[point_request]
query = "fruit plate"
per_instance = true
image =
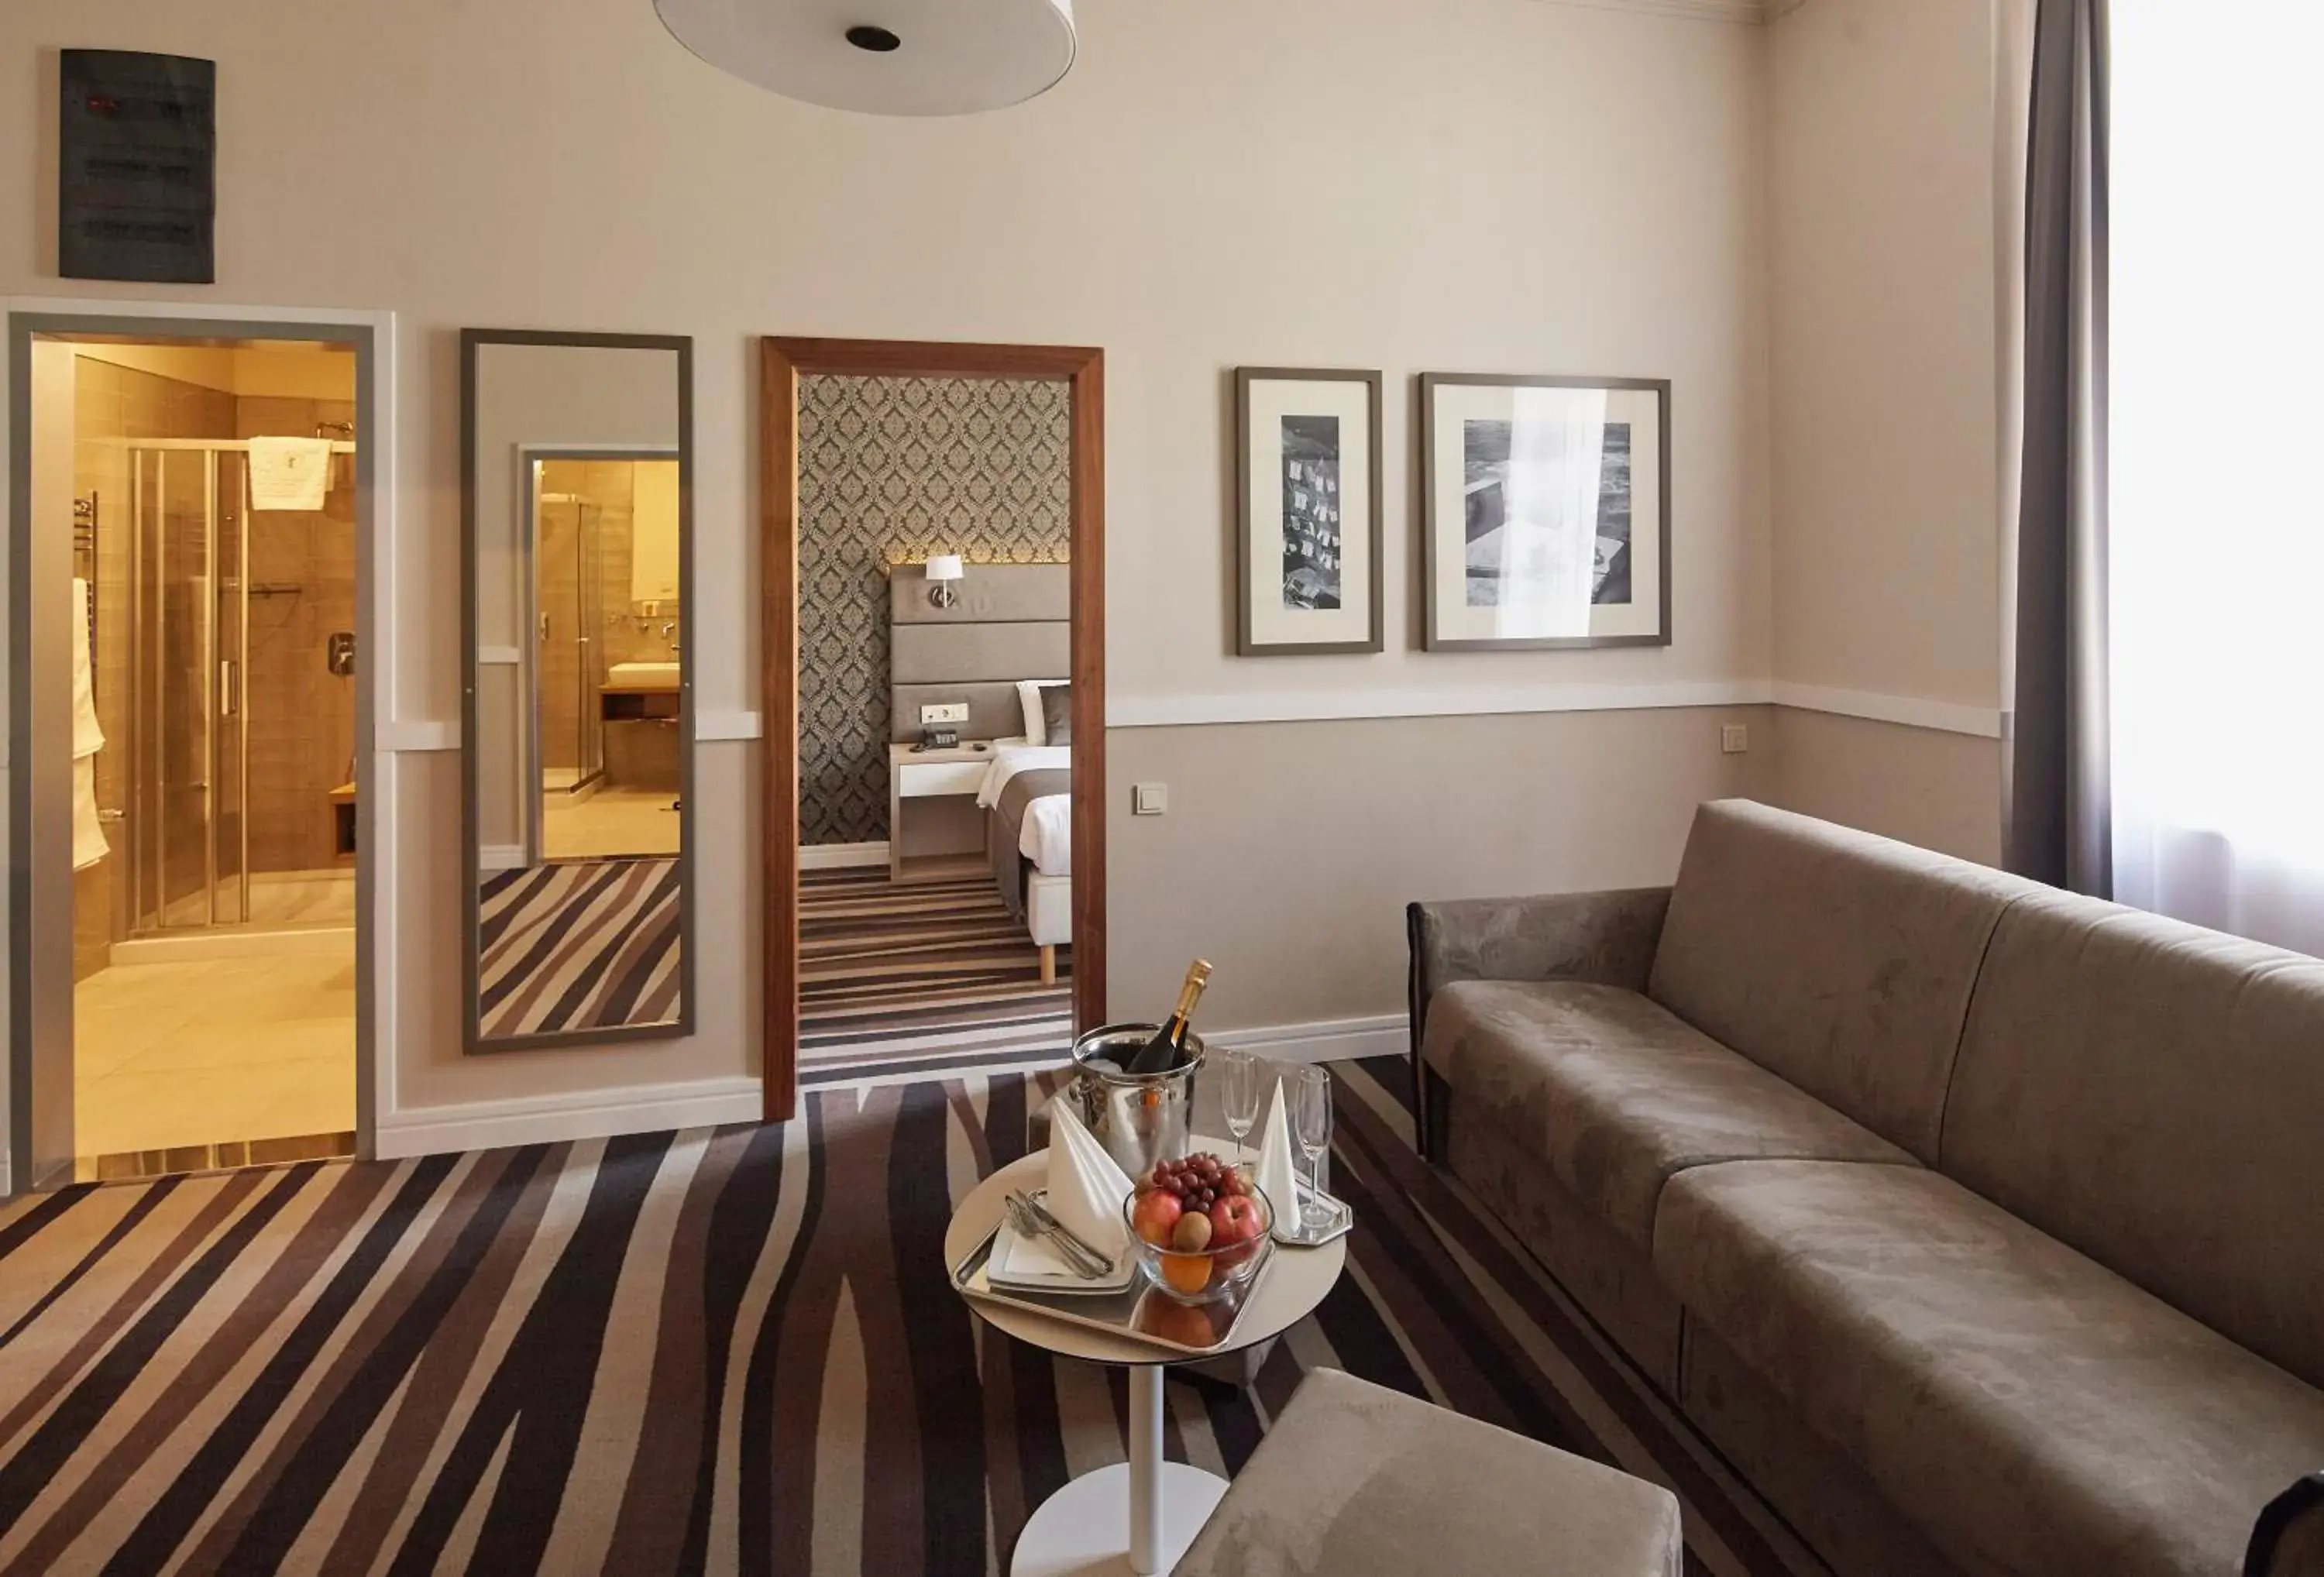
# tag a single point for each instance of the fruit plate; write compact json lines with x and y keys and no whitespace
{"x":1140,"y":1311}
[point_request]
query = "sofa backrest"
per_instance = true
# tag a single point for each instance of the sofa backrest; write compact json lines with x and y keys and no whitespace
{"x":2151,"y":1095}
{"x":1839,"y":961}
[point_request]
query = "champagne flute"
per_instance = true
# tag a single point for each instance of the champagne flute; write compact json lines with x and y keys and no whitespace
{"x":1311,"y":1119}
{"x":1241,"y":1095}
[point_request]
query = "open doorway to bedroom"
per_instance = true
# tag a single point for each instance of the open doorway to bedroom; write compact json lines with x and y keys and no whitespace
{"x":934,"y":619}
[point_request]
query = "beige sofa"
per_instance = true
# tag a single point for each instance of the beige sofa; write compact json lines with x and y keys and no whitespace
{"x":1981,"y":1226}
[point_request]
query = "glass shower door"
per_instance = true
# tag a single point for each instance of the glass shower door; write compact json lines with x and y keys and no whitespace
{"x":187,"y":610}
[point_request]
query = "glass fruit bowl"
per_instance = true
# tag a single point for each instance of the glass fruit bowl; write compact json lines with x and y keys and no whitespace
{"x":1202,"y":1265}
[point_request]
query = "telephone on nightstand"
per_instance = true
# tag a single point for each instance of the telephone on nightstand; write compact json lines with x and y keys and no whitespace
{"x":938,"y":738}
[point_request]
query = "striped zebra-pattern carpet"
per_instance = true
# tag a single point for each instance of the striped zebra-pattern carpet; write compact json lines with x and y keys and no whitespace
{"x":723,"y":1351}
{"x":921,"y":978}
{"x":579,"y":944}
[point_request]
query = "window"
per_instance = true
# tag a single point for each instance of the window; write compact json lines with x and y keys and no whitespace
{"x":2217,"y":496}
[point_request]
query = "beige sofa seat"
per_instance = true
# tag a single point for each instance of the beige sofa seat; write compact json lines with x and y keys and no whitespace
{"x":2031,"y":1412}
{"x":1358,"y":1480}
{"x":2152,"y":1094}
{"x":1617,"y":1095}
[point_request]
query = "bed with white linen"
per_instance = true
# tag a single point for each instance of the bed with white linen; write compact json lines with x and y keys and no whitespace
{"x":1028,"y":798}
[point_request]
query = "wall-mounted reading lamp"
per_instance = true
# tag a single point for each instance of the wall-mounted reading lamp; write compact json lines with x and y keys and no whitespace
{"x":944,"y":571}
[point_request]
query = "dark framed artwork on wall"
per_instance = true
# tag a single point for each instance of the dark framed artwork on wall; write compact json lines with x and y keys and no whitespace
{"x":1545,"y":512}
{"x":1307,"y":510}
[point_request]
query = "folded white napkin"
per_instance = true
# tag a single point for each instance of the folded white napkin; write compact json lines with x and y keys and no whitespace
{"x":1085,"y":1193}
{"x":1086,"y":1188}
{"x":1278,"y":1179}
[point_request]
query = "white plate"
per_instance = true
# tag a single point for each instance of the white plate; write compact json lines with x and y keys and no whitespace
{"x":1005,"y":1238}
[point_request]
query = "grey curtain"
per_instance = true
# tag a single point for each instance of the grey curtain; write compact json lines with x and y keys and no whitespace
{"x":2059,"y":824}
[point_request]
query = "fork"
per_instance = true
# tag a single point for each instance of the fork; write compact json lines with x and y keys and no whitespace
{"x":1029,"y":1221}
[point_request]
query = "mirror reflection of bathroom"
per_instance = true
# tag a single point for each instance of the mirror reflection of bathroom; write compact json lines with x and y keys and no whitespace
{"x":214,"y":593}
{"x":607,"y":628}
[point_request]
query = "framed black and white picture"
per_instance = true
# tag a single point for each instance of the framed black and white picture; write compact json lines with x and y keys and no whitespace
{"x":1307,"y":483}
{"x":1545,"y":512}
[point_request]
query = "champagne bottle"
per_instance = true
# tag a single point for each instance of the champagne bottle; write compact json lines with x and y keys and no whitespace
{"x":1168,"y":1049}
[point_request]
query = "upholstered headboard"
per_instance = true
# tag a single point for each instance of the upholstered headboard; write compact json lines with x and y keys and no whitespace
{"x":1012,"y":621}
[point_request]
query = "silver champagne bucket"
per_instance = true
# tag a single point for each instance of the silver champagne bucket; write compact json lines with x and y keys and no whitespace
{"x":1140,"y":1119}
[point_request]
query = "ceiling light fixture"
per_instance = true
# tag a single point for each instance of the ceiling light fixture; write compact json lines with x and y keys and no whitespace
{"x":964,"y":58}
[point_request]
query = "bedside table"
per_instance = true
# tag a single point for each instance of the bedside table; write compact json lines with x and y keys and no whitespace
{"x":935,"y":830}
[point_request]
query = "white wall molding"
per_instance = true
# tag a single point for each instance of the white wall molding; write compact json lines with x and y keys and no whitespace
{"x":1361,"y":706}
{"x":1945,"y":716}
{"x":711,"y":723}
{"x":1326,"y":1040}
{"x":426,"y":1131}
{"x":842,"y":856}
{"x":415,"y":735}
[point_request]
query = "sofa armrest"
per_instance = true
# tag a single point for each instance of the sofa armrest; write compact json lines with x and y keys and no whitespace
{"x":1608,"y":939}
{"x":2289,"y":1540}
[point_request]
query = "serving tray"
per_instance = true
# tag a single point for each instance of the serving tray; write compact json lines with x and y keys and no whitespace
{"x":1141,"y":1311}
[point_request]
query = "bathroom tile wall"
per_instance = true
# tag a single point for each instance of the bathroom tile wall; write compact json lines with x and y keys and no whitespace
{"x":300,"y":716}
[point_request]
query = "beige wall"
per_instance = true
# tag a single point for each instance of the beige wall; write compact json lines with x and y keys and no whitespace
{"x":1927,"y":785}
{"x":1884,"y":372}
{"x":1288,"y":853}
{"x":1487,"y":185}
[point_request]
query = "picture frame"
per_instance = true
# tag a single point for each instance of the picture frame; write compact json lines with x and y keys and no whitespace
{"x":1309,"y":567}
{"x":1545,"y":519}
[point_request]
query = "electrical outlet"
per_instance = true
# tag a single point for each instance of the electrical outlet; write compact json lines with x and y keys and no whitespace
{"x":1734,"y":738}
{"x":946,"y":712}
{"x":1149,"y":799}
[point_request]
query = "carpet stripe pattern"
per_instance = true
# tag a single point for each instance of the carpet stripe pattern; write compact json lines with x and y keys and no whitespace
{"x":920,"y":977}
{"x":727,"y":1351}
{"x":579,"y":944}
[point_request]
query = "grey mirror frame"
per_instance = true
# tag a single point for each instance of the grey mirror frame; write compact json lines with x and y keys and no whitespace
{"x":474,"y":1042}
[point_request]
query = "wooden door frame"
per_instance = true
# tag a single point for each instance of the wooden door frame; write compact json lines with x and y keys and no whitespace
{"x":782,"y":362}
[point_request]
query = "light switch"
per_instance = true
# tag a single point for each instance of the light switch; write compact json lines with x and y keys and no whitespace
{"x":1149,"y":799}
{"x":944,"y":712}
{"x":1734,"y":738}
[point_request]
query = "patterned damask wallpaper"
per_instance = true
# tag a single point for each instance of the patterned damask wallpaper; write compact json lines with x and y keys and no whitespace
{"x":890,"y":470}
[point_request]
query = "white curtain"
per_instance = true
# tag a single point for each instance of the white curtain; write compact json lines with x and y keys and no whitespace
{"x":2218,"y":465}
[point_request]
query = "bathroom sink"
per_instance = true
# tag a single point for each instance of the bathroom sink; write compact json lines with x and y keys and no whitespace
{"x":642,"y":675}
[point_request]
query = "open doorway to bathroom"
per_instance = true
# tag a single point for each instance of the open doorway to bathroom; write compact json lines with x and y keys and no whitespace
{"x":209,"y":661}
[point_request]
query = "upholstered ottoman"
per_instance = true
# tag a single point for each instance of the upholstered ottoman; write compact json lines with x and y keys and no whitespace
{"x":1356,"y":1480}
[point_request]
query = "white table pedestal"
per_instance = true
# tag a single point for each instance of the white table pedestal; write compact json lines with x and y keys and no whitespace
{"x":1135,"y":1518}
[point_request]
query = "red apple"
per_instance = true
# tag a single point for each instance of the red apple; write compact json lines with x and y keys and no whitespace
{"x":1156,"y":1214}
{"x":1234,"y":1218}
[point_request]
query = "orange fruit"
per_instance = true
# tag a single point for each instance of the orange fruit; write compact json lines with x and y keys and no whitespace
{"x":1187,"y":1273}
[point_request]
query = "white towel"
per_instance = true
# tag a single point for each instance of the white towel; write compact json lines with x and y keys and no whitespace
{"x":89,"y":833}
{"x":87,"y":737}
{"x":290,"y":472}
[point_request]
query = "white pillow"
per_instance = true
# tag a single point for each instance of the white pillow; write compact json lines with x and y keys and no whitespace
{"x":1028,"y":698}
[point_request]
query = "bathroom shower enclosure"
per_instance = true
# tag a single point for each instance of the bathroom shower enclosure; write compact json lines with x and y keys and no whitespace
{"x":183,"y":829}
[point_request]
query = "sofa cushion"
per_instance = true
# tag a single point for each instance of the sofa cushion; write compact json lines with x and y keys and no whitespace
{"x":2029,"y":1410}
{"x":1356,"y":1480}
{"x":2152,"y":1093}
{"x":1616,"y":1094}
{"x":1841,"y":961}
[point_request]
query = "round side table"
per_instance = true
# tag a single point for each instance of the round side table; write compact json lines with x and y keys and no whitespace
{"x":1139,"y":1517}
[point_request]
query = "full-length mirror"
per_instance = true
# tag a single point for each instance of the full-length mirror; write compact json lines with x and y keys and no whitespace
{"x":578,"y":526}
